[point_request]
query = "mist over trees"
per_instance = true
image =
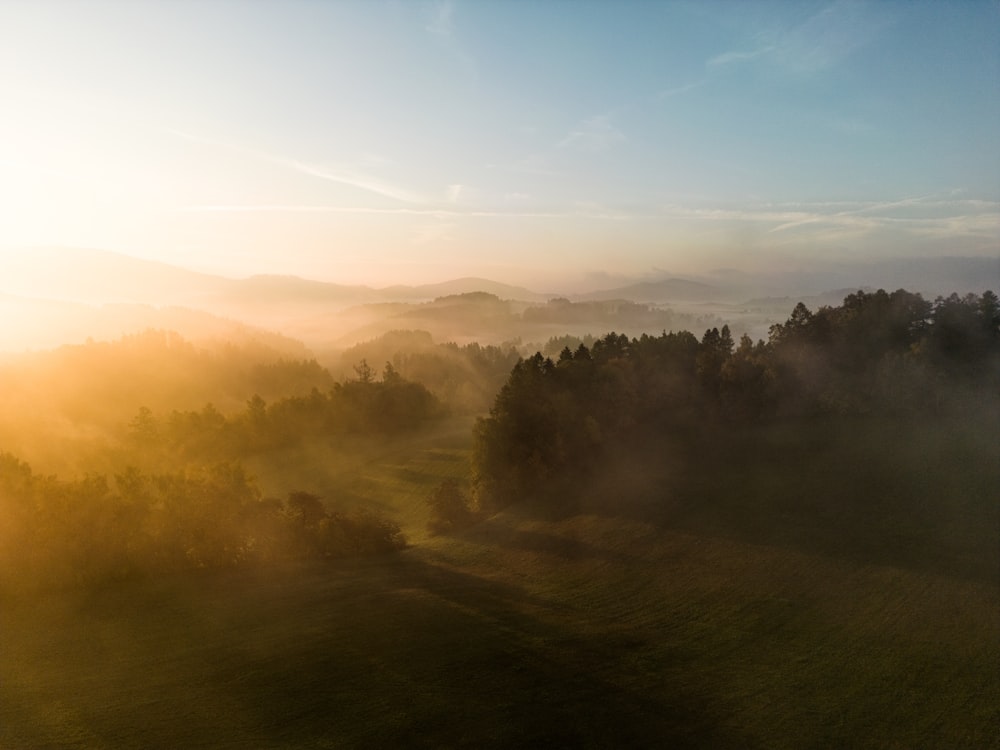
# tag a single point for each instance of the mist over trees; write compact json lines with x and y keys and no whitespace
{"x":166,"y":490}
{"x":364,"y":405}
{"x":59,"y":532}
{"x":463,"y":377}
{"x":893,"y":355}
{"x":488,"y":320}
{"x":161,"y":487}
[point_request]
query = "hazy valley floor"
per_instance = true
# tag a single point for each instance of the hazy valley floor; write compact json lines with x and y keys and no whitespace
{"x":595,"y":629}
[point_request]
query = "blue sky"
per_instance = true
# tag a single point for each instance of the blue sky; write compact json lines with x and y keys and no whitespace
{"x":525,"y":141}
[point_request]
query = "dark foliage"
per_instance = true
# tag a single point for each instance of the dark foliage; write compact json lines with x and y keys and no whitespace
{"x":185,"y":501}
{"x":877,"y":354}
{"x":387,"y":406}
{"x":449,"y":508}
{"x":90,"y":530}
{"x":619,"y":313}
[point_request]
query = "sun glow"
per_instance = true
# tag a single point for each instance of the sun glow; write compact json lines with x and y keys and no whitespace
{"x":278,"y":142}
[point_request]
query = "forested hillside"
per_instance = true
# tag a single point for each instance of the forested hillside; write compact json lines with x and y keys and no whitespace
{"x":165,"y":488}
{"x":868,"y":427}
{"x":153,"y":482}
{"x":465,"y":378}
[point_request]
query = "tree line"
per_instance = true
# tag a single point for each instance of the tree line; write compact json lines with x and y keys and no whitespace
{"x":889,"y":354}
{"x":59,"y":532}
{"x":184,"y":500}
{"x":465,"y":378}
{"x":366,"y":404}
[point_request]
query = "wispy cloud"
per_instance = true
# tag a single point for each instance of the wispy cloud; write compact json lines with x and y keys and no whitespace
{"x":727,"y":58}
{"x":918,"y":216}
{"x":822,"y":41}
{"x":985,"y":225}
{"x":307,"y":208}
{"x":440,"y":21}
{"x":927,"y":216}
{"x":355,"y":180}
{"x":678,"y":90}
{"x":845,"y":216}
{"x":340,"y":175}
{"x":769,"y":216}
{"x":596,"y":133}
{"x":829,"y":36}
{"x":440,"y":24}
{"x":581,"y":212}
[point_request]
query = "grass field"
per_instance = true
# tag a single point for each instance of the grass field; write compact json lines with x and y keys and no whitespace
{"x":393,"y":475}
{"x":699,"y":609}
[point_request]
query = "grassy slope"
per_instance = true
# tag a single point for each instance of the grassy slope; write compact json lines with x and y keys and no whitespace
{"x":633,"y":623}
{"x":393,"y":475}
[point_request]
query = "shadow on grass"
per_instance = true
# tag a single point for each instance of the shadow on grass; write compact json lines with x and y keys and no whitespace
{"x":393,"y":652}
{"x":920,"y":496}
{"x":432,"y":657}
{"x":494,"y":531}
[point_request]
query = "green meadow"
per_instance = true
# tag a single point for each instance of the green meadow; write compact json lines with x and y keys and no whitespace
{"x":775,"y":588}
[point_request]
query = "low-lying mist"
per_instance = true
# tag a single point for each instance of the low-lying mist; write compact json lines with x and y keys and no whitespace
{"x":243,"y":516}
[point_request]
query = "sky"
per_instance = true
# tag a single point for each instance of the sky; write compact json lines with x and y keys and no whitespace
{"x":530,"y":142}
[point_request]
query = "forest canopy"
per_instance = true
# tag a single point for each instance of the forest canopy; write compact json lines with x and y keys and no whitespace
{"x":888,"y":354}
{"x":167,"y":490}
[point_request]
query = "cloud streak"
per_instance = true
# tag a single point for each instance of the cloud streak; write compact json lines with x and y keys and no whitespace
{"x":346,"y":177}
{"x":869,"y":208}
{"x":727,"y":58}
{"x":934,"y":217}
{"x":440,"y":213}
{"x":594,"y":134}
{"x":355,"y":180}
{"x":678,"y":90}
{"x":823,"y":220}
{"x":819,"y":43}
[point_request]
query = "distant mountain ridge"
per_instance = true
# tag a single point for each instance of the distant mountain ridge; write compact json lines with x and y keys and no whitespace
{"x":667,"y":290}
{"x":101,"y":276}
{"x":39,"y":297}
{"x":474,"y":284}
{"x":45,"y":324}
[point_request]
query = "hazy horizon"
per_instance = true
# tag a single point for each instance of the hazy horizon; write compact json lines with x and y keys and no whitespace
{"x":382,"y":144}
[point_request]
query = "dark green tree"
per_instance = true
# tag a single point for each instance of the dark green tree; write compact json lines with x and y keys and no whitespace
{"x":449,"y":508}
